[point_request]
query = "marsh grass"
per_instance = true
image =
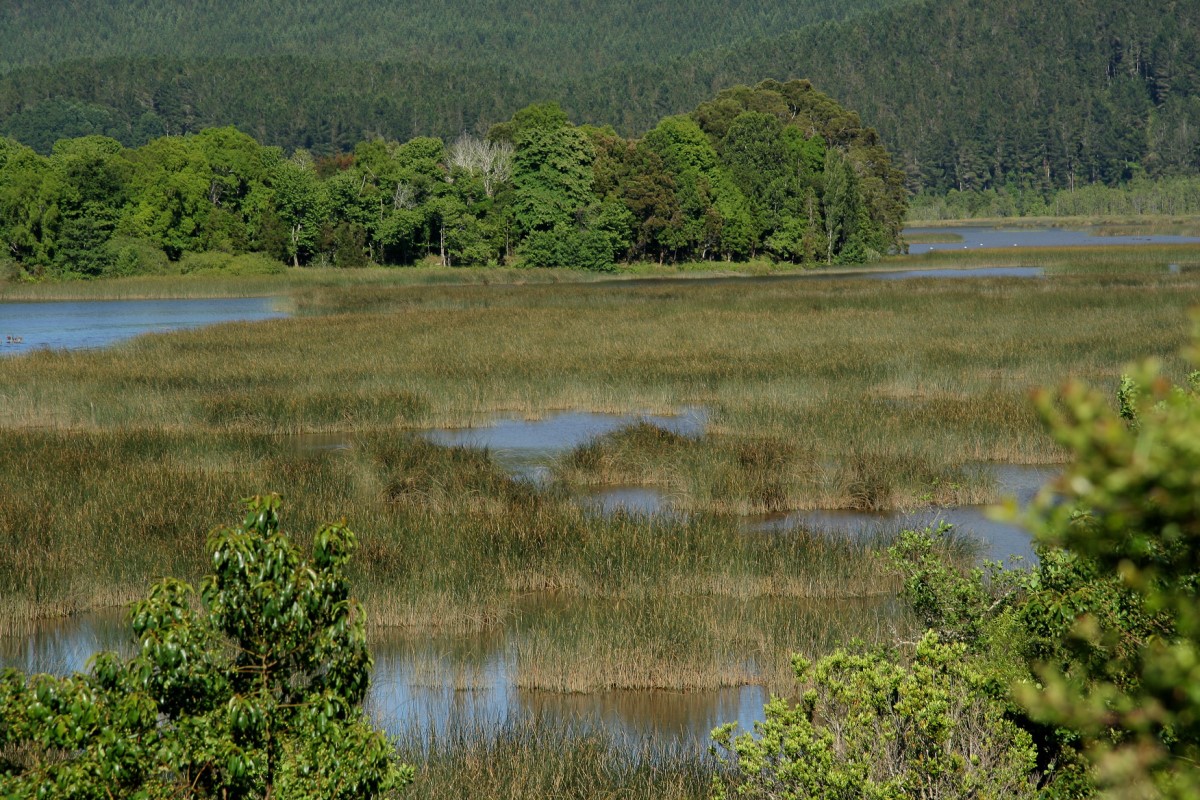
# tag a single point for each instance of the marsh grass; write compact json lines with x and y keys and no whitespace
{"x":537,"y":758}
{"x":680,"y":644}
{"x":447,"y":539}
{"x":752,"y":475}
{"x":933,"y":238}
{"x":1160,"y":223}
{"x":157,"y":287}
{"x":821,"y":394}
{"x":847,"y":393}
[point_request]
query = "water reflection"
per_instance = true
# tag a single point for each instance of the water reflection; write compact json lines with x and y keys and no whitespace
{"x":526,"y":448}
{"x":99,"y":323}
{"x":425,"y":684}
{"x":64,"y":646}
{"x":634,"y":501}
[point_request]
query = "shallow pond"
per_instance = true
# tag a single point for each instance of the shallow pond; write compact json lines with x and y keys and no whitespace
{"x":98,"y":323}
{"x":526,"y":447}
{"x":999,"y":541}
{"x":986,"y":236}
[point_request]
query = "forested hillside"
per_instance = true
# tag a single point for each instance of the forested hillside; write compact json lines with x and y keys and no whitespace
{"x":550,"y":37}
{"x":968,"y":93}
{"x":975,"y":93}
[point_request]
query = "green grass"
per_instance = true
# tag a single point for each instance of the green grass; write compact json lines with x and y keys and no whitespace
{"x":153,"y":287}
{"x":1162,"y":223}
{"x":1132,"y":262}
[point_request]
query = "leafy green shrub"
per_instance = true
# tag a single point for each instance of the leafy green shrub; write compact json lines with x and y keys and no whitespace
{"x":9,"y":269}
{"x":135,"y":257}
{"x":571,"y":248}
{"x":256,"y":694}
{"x":229,"y":264}
{"x":869,"y":727}
{"x":1128,"y":511}
{"x":956,"y":604}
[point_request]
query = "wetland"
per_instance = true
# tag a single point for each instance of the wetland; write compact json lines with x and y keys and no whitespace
{"x":594,"y":516}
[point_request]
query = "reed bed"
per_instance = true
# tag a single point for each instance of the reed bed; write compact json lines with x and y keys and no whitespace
{"x":158,"y":287}
{"x":1140,"y":261}
{"x":447,"y":540}
{"x":1166,"y":224}
{"x":681,"y":644}
{"x":536,"y":758}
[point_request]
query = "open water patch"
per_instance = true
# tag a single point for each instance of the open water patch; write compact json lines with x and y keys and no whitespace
{"x":1001,"y":541}
{"x":79,"y":325}
{"x":526,"y":448}
{"x":633,"y":501}
{"x":432,"y":685}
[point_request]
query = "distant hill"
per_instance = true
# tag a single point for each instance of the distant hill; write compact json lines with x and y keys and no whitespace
{"x":973,"y":93}
{"x":547,"y":37}
{"x":967,"y":93}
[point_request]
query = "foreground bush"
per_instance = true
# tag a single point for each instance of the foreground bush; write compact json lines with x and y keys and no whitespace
{"x":1128,"y":510}
{"x":869,"y":727}
{"x":256,"y":694}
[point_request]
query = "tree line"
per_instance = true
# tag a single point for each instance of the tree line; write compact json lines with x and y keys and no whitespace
{"x":969,"y":94}
{"x":777,"y":171}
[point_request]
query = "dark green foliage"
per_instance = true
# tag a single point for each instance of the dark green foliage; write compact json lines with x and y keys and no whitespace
{"x":1098,"y":642}
{"x":957,"y":605}
{"x":258,"y":694}
{"x":1127,"y":514}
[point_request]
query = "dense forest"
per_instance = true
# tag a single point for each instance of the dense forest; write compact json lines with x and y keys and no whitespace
{"x":777,"y":171}
{"x":970,"y":94}
{"x":562,"y":36}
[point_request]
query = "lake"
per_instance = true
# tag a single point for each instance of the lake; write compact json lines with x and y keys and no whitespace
{"x":98,"y":323}
{"x":986,"y":236}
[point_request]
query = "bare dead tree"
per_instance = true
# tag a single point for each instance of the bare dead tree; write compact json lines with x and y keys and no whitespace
{"x":492,"y":161}
{"x":403,"y":197}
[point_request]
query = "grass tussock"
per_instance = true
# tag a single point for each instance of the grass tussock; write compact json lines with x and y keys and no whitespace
{"x":730,"y":474}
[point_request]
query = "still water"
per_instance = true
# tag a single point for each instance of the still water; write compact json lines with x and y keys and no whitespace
{"x":999,"y":541}
{"x":429,"y":685}
{"x":99,"y":323}
{"x":980,"y":237}
{"x":526,"y":448}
